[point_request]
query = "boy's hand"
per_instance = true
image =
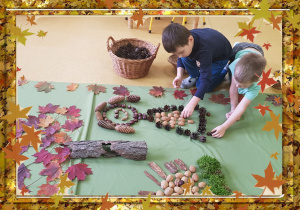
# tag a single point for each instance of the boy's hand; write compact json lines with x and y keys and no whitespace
{"x":177,"y":81}
{"x":187,"y":111}
{"x":218,"y":132}
{"x":229,"y":114}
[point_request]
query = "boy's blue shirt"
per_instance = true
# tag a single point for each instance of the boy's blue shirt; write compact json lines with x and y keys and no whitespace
{"x":252,"y":91}
{"x":209,"y":46}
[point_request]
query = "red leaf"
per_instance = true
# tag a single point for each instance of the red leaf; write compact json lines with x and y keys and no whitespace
{"x":157,"y":91}
{"x":62,"y":154}
{"x":262,"y":109}
{"x":49,"y":108}
{"x":179,"y":94}
{"x":71,"y":125}
{"x":53,"y":171}
{"x":43,"y":156}
{"x":121,"y":91}
{"x":220,"y":99}
{"x":72,"y":112}
{"x":249,"y":33}
{"x":48,"y":189}
{"x":267,"y":45}
{"x":79,"y":170}
{"x":193,"y":91}
{"x":266,"y":80}
{"x":23,"y":173}
{"x":24,"y":190}
{"x":96,"y":88}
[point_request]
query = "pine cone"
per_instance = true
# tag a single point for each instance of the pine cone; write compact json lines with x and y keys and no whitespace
{"x":151,"y":118}
{"x":116,"y":99}
{"x":202,"y":139}
{"x":160,"y":109}
{"x":100,"y":106}
{"x":154,"y":110}
{"x":133,"y":98}
{"x":158,"y":124}
{"x":202,"y":110}
{"x":168,"y":127}
{"x":167,"y":108}
{"x":181,"y":107}
{"x":197,"y":107}
{"x":150,"y":112}
{"x":105,"y":124}
{"x":124,"y":129}
{"x":179,"y":130}
{"x":173,"y":108}
{"x":187,"y":132}
{"x":194,"y":135}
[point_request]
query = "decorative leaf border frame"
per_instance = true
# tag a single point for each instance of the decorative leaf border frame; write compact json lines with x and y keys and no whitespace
{"x":62,"y":7}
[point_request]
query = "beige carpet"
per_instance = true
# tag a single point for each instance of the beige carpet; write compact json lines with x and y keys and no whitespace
{"x":75,"y":50}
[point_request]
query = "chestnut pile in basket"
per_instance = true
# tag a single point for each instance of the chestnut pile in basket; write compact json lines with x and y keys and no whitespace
{"x":130,"y":51}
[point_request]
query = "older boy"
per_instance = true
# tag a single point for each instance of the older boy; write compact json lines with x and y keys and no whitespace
{"x":203,"y":53}
{"x":246,"y":69}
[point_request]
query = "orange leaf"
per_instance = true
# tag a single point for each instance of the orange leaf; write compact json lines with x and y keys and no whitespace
{"x":46,"y":122}
{"x":15,"y":153}
{"x":263,"y":109}
{"x":138,"y":17}
{"x":32,"y":137}
{"x":31,"y":20}
{"x":157,"y":91}
{"x":187,"y":186}
{"x":274,"y":124}
{"x":24,"y":190}
{"x":106,"y":204}
{"x":268,"y":181}
{"x":72,"y":87}
{"x":266,"y":80}
{"x":275,"y":21}
{"x":109,"y":3}
{"x":274,"y":155}
{"x":238,"y":194}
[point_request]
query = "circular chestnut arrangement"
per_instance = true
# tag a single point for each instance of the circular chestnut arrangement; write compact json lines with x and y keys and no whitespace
{"x":167,"y":117}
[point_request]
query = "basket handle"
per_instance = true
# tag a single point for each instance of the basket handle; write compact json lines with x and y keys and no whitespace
{"x":156,"y":50}
{"x":107,"y":42}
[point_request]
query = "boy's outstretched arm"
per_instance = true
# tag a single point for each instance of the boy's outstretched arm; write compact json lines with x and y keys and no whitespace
{"x":219,"y":131}
{"x":189,"y":108}
{"x":178,"y":79}
{"x":233,"y":92}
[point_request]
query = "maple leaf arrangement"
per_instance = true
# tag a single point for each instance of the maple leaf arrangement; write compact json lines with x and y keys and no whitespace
{"x":46,"y":130}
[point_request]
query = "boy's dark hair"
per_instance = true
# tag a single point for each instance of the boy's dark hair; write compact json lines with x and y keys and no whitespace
{"x":249,"y":68}
{"x":175,"y":35}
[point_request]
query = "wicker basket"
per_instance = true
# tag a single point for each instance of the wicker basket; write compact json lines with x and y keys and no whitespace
{"x":128,"y":68}
{"x":173,"y":60}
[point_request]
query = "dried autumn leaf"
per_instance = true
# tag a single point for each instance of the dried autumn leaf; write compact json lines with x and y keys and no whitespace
{"x":47,"y":189}
{"x":179,"y":94}
{"x":271,"y":98}
{"x":71,"y":125}
{"x":274,"y":124}
{"x":267,"y":45}
{"x":219,"y":99}
{"x":268,"y":181}
{"x":44,"y":86}
{"x":266,"y":80}
{"x":73,"y":112}
{"x":14,"y":154}
{"x":62,"y":154}
{"x":49,"y":108}
{"x":44,"y":123}
{"x":121,"y":91}
{"x":22,"y":81}
{"x":275,"y":21}
{"x":62,"y":137}
{"x":43,"y":156}
{"x":78,"y":170}
{"x":31,"y":20}
{"x":52,"y":171}
{"x":23,"y":172}
{"x":72,"y":87}
{"x":15,"y":112}
{"x":157,"y":91}
{"x":42,"y":33}
{"x":263,"y":109}
{"x":139,"y":17}
{"x":61,"y":111}
{"x":96,"y":88}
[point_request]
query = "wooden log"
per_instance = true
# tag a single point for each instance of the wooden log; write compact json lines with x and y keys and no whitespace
{"x":134,"y":150}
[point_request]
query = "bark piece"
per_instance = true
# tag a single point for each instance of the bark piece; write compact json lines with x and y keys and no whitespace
{"x":181,"y":164}
{"x":171,"y":167}
{"x":152,"y":178}
{"x":146,"y":193}
{"x":134,"y":150}
{"x":158,"y":170}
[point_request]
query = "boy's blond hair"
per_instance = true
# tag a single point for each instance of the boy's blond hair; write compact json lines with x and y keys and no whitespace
{"x":249,"y":68}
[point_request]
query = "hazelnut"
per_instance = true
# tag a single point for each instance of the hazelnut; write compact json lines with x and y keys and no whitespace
{"x":201,"y":185}
{"x":195,"y":189}
{"x":192,"y":169}
{"x":179,"y":190}
{"x":195,"y":177}
{"x":168,"y":191}
{"x":171,"y":184}
{"x":160,"y":193}
{"x":179,"y":175}
{"x":187,"y":173}
{"x":170,"y":178}
{"x":164,"y":184}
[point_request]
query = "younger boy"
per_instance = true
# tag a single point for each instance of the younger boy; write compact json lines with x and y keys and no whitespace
{"x":203,"y":53}
{"x":247,"y":67}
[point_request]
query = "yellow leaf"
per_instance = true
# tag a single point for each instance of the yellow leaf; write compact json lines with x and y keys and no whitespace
{"x":263,"y":12}
{"x":274,"y":124}
{"x":15,"y":112}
